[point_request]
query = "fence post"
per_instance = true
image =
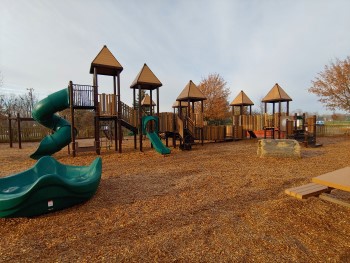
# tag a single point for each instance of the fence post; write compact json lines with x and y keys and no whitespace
{"x":19,"y":131}
{"x":10,"y":131}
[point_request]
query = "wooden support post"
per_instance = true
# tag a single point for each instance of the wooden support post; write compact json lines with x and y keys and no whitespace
{"x":151,"y":113}
{"x":134,"y":106}
{"x":140,"y":118}
{"x":180,"y":110}
{"x":265,"y":109}
{"x":71,"y":107}
{"x":120,"y":132}
{"x":279,"y":120}
{"x":174,"y":128}
{"x":135,"y":141}
{"x":273,"y":120}
{"x":97,"y":117}
{"x":192,"y":111}
{"x":10,"y":131}
{"x":150,"y":106}
{"x":314,"y":127}
{"x":188,"y":109}
{"x":157,"y":109}
{"x":19,"y":131}
{"x":202,"y":132}
{"x":116,"y":110}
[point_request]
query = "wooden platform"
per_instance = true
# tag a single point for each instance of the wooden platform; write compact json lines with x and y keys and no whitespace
{"x":307,"y":190}
{"x":339,"y":179}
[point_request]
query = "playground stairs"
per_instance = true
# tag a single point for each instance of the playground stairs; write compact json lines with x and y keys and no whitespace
{"x":109,"y":134}
{"x":188,"y":139}
{"x":189,"y":133}
{"x":129,"y":126}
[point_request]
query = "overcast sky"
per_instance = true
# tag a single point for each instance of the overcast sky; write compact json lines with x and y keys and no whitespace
{"x":252,"y":44}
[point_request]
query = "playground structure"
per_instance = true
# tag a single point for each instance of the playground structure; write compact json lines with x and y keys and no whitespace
{"x":110,"y":113}
{"x":146,"y":80}
{"x":302,"y":129}
{"x":241,"y":101}
{"x":190,"y":125}
{"x":184,"y":125}
{"x":86,"y":97}
{"x":273,"y":125}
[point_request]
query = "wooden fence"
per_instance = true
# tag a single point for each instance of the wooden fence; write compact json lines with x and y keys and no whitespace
{"x":166,"y":123}
{"x":333,"y":130}
{"x":37,"y":133}
{"x":28,"y":134}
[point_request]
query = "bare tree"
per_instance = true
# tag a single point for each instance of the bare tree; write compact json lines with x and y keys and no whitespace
{"x":333,"y":85}
{"x":12,"y":104}
{"x":216,"y":106}
{"x":1,"y":96}
{"x":260,"y":107}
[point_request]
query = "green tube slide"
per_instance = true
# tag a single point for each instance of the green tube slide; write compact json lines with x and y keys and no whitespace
{"x":44,"y":113}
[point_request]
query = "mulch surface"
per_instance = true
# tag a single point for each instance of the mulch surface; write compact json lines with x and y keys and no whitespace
{"x":217,"y":203}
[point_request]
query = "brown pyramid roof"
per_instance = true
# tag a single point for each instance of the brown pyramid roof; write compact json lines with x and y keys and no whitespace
{"x":146,"y":79}
{"x":191,"y":92}
{"x":276,"y":94}
{"x":106,"y":63}
{"x":241,"y":100}
{"x":176,"y":104}
{"x":147,"y":101}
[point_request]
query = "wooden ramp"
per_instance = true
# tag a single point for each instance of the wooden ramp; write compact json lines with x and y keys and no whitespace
{"x":339,"y":179}
{"x":307,"y":190}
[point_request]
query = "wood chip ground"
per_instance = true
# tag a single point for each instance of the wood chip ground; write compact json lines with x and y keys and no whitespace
{"x":217,"y":203}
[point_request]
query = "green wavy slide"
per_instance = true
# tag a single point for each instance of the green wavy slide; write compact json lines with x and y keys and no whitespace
{"x":44,"y":113}
{"x":48,"y":186}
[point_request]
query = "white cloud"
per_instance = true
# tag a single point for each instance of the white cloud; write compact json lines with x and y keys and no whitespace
{"x":252,"y":44}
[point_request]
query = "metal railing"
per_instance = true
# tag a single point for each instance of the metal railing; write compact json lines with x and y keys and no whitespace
{"x":83,"y":95}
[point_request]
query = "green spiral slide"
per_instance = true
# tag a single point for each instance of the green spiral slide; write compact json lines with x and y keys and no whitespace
{"x":44,"y":113}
